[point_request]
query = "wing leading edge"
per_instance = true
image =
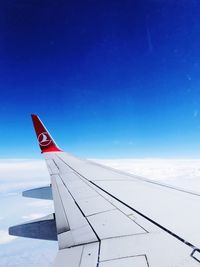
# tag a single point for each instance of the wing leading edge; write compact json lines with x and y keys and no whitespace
{"x":109,"y":218}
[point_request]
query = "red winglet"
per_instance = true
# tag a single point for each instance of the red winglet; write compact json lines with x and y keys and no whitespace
{"x":46,"y":142}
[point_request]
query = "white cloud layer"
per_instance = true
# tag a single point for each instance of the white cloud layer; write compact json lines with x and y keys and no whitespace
{"x":17,"y":174}
{"x":5,"y":237}
{"x":33,"y":216}
{"x":184,"y":173}
{"x":21,"y":174}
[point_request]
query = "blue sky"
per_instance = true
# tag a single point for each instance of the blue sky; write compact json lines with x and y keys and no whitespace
{"x":110,"y":79}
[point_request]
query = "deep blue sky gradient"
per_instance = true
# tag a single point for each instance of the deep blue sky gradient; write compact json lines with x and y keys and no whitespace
{"x":108,"y":78}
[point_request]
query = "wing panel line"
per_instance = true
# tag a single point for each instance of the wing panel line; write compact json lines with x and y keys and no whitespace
{"x":140,"y":178}
{"x":79,"y":208}
{"x":99,"y":240}
{"x":138,"y":212}
{"x":86,"y":181}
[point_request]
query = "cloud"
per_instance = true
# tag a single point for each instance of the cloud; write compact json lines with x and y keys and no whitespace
{"x":40,"y":203}
{"x":156,"y":168}
{"x":184,"y":173}
{"x":24,"y":252}
{"x":33,"y":216}
{"x":5,"y":237}
{"x":18,"y":174}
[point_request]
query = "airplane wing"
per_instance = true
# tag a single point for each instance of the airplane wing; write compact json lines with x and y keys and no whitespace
{"x":108,"y":218}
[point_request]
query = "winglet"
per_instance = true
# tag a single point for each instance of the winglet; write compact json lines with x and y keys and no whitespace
{"x":46,"y":142}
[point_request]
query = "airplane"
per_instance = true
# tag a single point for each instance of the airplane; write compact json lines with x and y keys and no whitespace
{"x":108,"y":218}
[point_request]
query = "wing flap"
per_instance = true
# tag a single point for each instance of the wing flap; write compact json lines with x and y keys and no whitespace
{"x":61,"y":218}
{"x":114,"y":224}
{"x":137,"y":261}
{"x":68,"y":215}
{"x":158,"y":248}
{"x":81,"y":256}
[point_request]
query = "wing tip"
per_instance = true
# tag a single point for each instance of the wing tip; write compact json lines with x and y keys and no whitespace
{"x":46,"y":142}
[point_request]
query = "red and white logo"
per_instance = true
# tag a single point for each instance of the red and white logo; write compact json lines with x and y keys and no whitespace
{"x":44,"y":139}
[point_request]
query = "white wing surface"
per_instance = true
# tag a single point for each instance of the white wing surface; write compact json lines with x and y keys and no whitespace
{"x":108,"y":218}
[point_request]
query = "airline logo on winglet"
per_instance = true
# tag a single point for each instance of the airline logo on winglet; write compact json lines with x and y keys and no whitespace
{"x":46,"y":142}
{"x":44,"y":139}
